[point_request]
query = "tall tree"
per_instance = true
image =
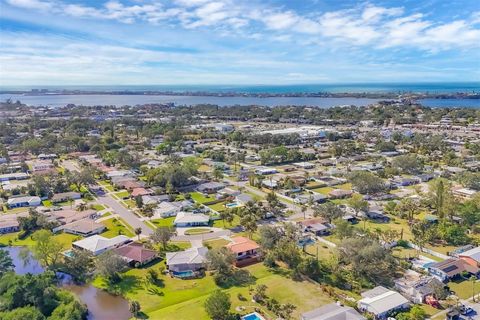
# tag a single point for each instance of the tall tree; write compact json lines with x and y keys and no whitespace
{"x":162,"y":235}
{"x":6,"y":262}
{"x":47,"y":249}
{"x":218,"y":305}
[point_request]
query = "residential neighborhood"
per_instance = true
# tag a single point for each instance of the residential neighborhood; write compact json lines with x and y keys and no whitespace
{"x":292,"y":221}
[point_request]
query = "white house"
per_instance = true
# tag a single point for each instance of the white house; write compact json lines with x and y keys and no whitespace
{"x":188,"y":219}
{"x":97,"y":244}
{"x":166,"y":209}
{"x":27,"y":201}
{"x":380,"y":301}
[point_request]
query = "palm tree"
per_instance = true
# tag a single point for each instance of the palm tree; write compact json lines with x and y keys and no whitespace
{"x":134,"y":307}
{"x":138,"y":232}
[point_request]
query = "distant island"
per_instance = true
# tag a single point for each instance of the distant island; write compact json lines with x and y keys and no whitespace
{"x":403,"y":95}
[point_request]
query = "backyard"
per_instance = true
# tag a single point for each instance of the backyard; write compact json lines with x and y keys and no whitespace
{"x":184,"y":299}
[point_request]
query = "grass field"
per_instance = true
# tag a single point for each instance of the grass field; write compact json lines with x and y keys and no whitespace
{"x":165,"y":222}
{"x":217,"y":243}
{"x":184,"y":299}
{"x":115,"y":227}
{"x":98,"y":207}
{"x":324,"y":190}
{"x":197,"y":231}
{"x":12,"y":239}
{"x":200,"y":198}
{"x":218,"y":206}
{"x":122,"y":194}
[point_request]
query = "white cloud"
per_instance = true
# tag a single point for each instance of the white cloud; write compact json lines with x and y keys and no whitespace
{"x":31,"y":4}
{"x":369,"y":25}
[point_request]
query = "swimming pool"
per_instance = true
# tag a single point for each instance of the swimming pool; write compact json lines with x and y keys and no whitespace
{"x":253,"y":316}
{"x":232,"y":205}
{"x":183,"y":274}
{"x":68,"y":253}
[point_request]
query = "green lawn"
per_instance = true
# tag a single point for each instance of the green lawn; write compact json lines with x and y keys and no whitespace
{"x":200,"y":198}
{"x":184,"y":299}
{"x":129,"y":203}
{"x":47,"y":203}
{"x":217,"y":243}
{"x":122,"y":194}
{"x":218,"y":206}
{"x":324,"y":190}
{"x":65,"y":239}
{"x":219,"y":223}
{"x":193,"y":231}
{"x":165,"y":222}
{"x":463,"y":289}
{"x":115,"y":227}
{"x":98,"y":207}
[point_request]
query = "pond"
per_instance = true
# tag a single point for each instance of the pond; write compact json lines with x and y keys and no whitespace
{"x":101,"y":305}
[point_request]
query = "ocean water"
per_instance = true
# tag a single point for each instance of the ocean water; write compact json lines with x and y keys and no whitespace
{"x":443,"y":87}
{"x":132,"y":100}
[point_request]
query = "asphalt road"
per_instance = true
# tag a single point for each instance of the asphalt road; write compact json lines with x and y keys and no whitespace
{"x":124,"y":213}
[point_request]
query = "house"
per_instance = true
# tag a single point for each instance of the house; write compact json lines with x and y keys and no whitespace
{"x":266,"y":171}
{"x":43,"y":156}
{"x":136,"y":192}
{"x":377,"y":215}
{"x":23,"y":201}
{"x":166,"y":209}
{"x":210,"y":187}
{"x":451,"y":268}
{"x":67,"y":216}
{"x":465,"y":193}
{"x":339,"y":194}
{"x":136,"y":254}
{"x":42,"y":166}
{"x":317,"y":226}
{"x":188,"y":219}
{"x":97,"y":244}
{"x":186,"y":262}
{"x":425,"y":177}
{"x":416,"y":287}
{"x":65,"y":196}
{"x":243,"y":198}
{"x":85,"y":227}
{"x":118,"y":173}
{"x":149,"y":199}
{"x":306,"y":198}
{"x":246,"y":251}
{"x":13,"y":176}
{"x":350,"y":218}
{"x":304,"y":165}
{"x":9,"y":226}
{"x":332,"y":311}
{"x":471,"y":256}
{"x":404,"y":182}
{"x":270,"y":183}
{"x":381,"y":302}
{"x":229,"y":192}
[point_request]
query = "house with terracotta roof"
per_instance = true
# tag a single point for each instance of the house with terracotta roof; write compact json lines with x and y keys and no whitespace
{"x":136,"y":254}
{"x":471,"y":256}
{"x":246,"y":251}
{"x":451,"y":268}
{"x":140,"y":192}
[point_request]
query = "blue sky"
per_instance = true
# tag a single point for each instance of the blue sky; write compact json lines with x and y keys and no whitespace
{"x":64,"y":42}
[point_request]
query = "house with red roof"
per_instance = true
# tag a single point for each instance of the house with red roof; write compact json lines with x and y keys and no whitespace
{"x":136,"y":254}
{"x":246,"y":251}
